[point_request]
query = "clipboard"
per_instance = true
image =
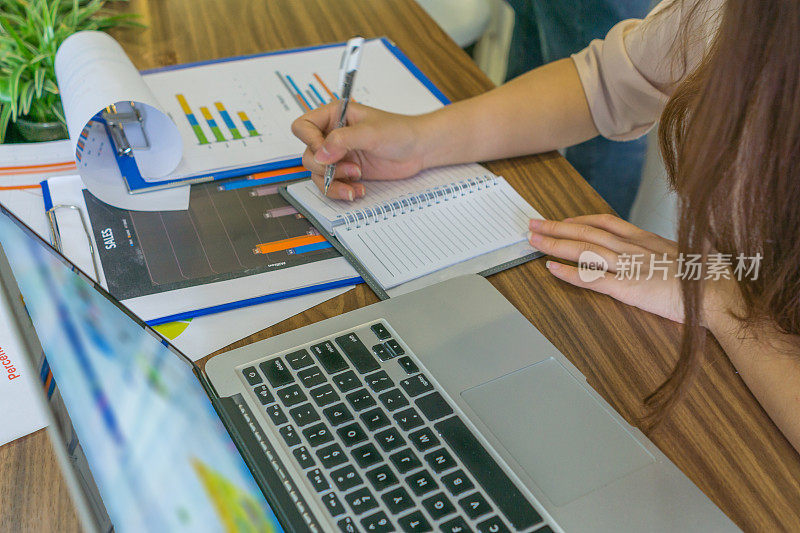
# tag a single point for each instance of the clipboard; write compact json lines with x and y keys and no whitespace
{"x":52,"y":211}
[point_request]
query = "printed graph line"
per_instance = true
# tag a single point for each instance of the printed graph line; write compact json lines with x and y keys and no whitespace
{"x":286,"y":244}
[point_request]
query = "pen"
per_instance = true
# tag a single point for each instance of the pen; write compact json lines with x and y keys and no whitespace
{"x":351,"y":57}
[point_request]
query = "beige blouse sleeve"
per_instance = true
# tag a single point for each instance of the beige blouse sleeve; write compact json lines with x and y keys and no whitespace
{"x":629,"y":76}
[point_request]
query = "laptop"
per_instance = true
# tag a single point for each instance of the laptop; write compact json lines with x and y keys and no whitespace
{"x":438,"y":410}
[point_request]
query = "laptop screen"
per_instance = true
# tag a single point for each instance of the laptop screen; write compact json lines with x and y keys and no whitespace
{"x":158,"y":454}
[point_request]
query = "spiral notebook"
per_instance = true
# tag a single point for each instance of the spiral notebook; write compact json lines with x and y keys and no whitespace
{"x":408,"y":234}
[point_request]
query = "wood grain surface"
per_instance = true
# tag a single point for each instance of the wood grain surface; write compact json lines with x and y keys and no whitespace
{"x":719,"y":435}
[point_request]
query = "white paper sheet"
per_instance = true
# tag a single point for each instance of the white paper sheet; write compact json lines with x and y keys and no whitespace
{"x":21,"y":413}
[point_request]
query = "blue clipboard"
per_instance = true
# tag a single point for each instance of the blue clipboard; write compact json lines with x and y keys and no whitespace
{"x":347,"y":282}
{"x":137,"y":184}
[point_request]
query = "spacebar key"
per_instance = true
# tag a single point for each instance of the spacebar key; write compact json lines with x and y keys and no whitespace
{"x":488,"y":473}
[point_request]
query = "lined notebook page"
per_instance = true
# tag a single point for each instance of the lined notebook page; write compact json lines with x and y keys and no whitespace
{"x":425,"y":240}
{"x":327,"y":210}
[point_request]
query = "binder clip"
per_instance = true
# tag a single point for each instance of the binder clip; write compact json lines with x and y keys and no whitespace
{"x":55,"y":234}
{"x":125,"y":123}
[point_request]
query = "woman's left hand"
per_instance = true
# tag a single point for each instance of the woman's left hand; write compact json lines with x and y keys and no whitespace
{"x":642,"y":267}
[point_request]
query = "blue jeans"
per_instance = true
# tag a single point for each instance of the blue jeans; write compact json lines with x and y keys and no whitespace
{"x":547,"y":30}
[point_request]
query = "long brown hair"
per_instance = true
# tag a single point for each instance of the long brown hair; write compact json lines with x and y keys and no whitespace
{"x":730,"y":139}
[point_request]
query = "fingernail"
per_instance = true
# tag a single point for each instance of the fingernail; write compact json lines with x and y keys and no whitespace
{"x":356,"y":173}
{"x":534,"y":238}
{"x":324,"y":153}
{"x":552,"y":265}
{"x":534,"y":223}
{"x":350,"y":195}
{"x":361,"y":190}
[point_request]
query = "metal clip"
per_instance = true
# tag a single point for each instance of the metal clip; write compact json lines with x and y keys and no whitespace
{"x":117,"y":117}
{"x":55,"y":234}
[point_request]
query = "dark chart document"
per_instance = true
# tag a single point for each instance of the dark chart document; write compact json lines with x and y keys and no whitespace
{"x":227,"y":232}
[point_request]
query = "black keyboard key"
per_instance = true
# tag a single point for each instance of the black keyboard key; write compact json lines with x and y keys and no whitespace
{"x":331,"y":502}
{"x":331,"y":456}
{"x":379,"y":381}
{"x":408,"y":419}
{"x":374,"y":419}
{"x":361,"y":501}
{"x":289,"y":434}
{"x":475,"y":505}
{"x":377,"y":523}
{"x":311,"y":377}
{"x":421,"y":482}
{"x":324,"y":395}
{"x":346,"y":478}
{"x":433,"y":406}
{"x":318,"y":481}
{"x":303,"y":456}
{"x":276,"y":414}
{"x":304,"y":414}
{"x":488,"y":473}
{"x":493,"y":525}
{"x":398,"y":500}
{"x":380,"y":331}
{"x":440,"y":460}
{"x":299,"y":359}
{"x":291,"y":395}
{"x":395,"y":347}
{"x":276,"y":372}
{"x":337,"y":414}
{"x":329,"y":357}
{"x":457,"y":482}
{"x":351,"y":434}
{"x":318,"y":434}
{"x":347,"y":525}
{"x":414,"y":523}
{"x":408,"y":365}
{"x":456,"y":525}
{"x":347,"y":381}
{"x":382,"y":477}
{"x":393,"y":399}
{"x":438,"y":506}
{"x":423,"y":439}
{"x":405,"y":461}
{"x":360,"y":399}
{"x":389,"y":439}
{"x":251,"y":375}
{"x":366,"y":455}
{"x":416,"y":385}
{"x":264,"y":395}
{"x":383,"y":353}
{"x":358,"y":354}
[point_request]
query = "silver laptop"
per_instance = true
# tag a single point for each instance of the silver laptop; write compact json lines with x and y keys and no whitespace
{"x":439,"y":410}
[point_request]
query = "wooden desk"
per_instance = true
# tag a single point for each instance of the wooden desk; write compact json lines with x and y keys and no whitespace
{"x":719,"y":436}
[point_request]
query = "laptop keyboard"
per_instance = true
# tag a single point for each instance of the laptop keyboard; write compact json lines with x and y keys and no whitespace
{"x":380,"y":443}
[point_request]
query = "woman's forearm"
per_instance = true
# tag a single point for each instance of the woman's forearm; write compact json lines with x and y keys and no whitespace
{"x":769,"y":363}
{"x":544,"y":109}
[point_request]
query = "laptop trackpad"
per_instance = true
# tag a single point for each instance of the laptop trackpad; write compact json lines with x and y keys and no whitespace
{"x":564,"y":439}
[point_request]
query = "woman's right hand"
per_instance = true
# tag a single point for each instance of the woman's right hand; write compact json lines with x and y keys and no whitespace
{"x":374,"y":145}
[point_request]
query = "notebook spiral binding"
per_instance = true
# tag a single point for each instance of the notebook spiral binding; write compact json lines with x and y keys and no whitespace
{"x":414,"y":201}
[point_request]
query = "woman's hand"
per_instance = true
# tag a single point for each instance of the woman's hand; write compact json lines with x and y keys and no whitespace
{"x":642,"y":266}
{"x":373,"y":145}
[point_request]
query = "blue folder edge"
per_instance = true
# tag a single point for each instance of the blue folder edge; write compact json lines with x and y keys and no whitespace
{"x":130,"y":172}
{"x":347,"y":282}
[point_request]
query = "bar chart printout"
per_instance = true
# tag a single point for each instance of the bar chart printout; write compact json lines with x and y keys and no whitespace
{"x":214,"y":126}
{"x":307,"y":96}
{"x":225,"y":234}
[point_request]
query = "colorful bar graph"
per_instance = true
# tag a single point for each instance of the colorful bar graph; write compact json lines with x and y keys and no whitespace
{"x":228,"y":120}
{"x":198,"y":131}
{"x":325,"y":87}
{"x":212,"y":123}
{"x":266,"y":178}
{"x":288,"y":244}
{"x":298,"y":92}
{"x":247,"y":124}
{"x":310,"y":248}
{"x":316,"y":93}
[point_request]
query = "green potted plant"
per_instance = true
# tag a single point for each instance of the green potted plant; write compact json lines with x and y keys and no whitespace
{"x":30,"y":33}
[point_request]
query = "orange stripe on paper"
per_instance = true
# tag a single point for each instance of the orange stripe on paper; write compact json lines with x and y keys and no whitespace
{"x":281,"y":172}
{"x":325,"y":87}
{"x":49,"y":165}
{"x":286,"y":244}
{"x":20,"y":187}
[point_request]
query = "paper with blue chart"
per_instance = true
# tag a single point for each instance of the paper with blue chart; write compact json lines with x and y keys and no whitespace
{"x":231,"y":115}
